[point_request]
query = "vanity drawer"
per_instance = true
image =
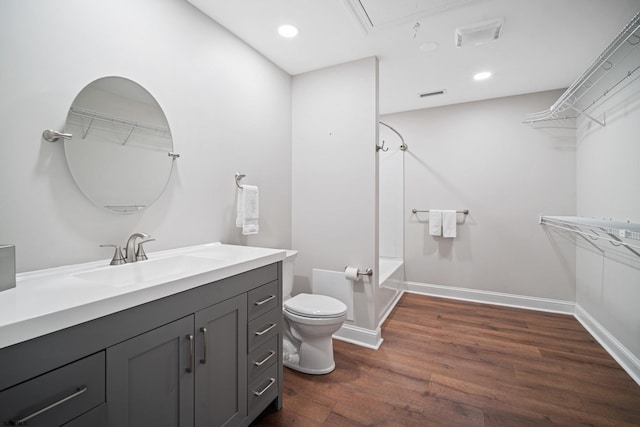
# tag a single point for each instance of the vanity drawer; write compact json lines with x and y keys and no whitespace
{"x":262,"y":300}
{"x":263,"y":328}
{"x":97,"y":417}
{"x":262,"y":357}
{"x":263,"y":389}
{"x":56,"y":397}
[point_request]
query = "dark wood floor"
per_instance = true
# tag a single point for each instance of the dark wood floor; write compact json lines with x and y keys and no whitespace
{"x":453,"y":363}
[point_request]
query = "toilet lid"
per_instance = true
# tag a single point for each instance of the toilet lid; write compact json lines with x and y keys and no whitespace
{"x":313,"y":305}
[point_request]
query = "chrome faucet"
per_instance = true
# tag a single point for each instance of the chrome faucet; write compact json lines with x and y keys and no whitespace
{"x":130,"y":250}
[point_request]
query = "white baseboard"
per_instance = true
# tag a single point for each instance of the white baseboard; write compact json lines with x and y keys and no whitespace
{"x":490,"y":297}
{"x":392,"y":304}
{"x":615,"y":348}
{"x":360,"y":336}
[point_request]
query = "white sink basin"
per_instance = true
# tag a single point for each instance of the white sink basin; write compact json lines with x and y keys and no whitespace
{"x":226,"y":253}
{"x":147,"y":271}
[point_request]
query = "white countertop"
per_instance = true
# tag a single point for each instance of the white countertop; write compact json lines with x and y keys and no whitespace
{"x":49,"y":300}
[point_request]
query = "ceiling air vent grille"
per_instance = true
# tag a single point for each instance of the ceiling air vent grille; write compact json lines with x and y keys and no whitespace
{"x":434,"y":93}
{"x":479,"y":33}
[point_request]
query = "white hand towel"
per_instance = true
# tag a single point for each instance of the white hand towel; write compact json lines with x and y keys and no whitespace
{"x":435,"y":222}
{"x":449,"y":220}
{"x":248,"y":215}
{"x":239,"y":209}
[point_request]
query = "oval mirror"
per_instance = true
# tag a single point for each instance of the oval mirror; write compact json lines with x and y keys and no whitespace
{"x":120,"y":154}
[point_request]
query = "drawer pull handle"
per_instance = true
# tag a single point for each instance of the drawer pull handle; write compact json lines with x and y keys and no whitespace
{"x":264,"y":331}
{"x":263,"y":361}
{"x":204,"y":345}
{"x":190,"y":367}
{"x":261,"y":392}
{"x":23,"y":420}
{"x":264,"y":301}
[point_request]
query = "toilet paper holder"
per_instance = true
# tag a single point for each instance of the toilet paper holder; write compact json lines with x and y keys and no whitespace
{"x":367,"y":272}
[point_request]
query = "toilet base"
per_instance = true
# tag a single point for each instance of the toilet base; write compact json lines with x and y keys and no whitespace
{"x":296,"y":367}
{"x":314,"y":356}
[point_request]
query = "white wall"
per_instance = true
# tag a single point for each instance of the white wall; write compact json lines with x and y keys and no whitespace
{"x":391,"y":197}
{"x":229,"y":110}
{"x":608,"y":168}
{"x":335,"y":176}
{"x":479,"y":156}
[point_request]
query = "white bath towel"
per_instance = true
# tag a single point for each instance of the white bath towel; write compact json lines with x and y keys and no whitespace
{"x":435,"y":222}
{"x":248,"y":212}
{"x":449,"y":220}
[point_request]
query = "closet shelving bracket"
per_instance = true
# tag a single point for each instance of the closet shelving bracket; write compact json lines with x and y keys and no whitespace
{"x":595,"y":229}
{"x":614,"y":69}
{"x":127,"y":125}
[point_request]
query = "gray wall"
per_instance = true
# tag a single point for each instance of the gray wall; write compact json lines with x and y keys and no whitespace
{"x":229,"y":110}
{"x":479,"y":156}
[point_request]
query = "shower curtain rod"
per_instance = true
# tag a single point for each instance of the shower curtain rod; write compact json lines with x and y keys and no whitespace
{"x":403,"y":146}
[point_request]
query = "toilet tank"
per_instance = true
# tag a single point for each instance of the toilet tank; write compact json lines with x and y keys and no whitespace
{"x":287,"y":274}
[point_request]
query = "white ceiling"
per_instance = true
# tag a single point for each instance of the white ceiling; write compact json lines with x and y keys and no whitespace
{"x":544,"y":44}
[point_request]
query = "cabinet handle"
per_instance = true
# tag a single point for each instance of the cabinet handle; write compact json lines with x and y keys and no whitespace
{"x":264,"y":331}
{"x":190,"y":367}
{"x":266,"y":300}
{"x":263,"y":361}
{"x":261,"y":392}
{"x":23,"y":420}
{"x":204,"y":345}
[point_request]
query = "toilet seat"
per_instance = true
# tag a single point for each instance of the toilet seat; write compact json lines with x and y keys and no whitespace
{"x":315,"y":306}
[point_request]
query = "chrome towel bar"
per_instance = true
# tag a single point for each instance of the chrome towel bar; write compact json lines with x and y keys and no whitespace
{"x":464,"y":212}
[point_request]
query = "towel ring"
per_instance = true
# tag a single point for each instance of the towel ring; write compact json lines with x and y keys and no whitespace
{"x":239,"y":176}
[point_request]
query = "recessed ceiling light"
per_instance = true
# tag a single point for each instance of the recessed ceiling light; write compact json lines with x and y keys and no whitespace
{"x":287,"y":31}
{"x":482,"y":76}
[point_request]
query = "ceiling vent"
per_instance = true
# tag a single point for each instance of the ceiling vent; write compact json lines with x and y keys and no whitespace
{"x":479,"y":33}
{"x":434,"y":93}
{"x":375,"y":15}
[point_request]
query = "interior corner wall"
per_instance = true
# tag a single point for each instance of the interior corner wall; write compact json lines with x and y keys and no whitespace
{"x":480,"y":156}
{"x":608,"y":170}
{"x":229,"y":110}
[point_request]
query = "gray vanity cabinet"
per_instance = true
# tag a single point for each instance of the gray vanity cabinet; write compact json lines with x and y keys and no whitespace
{"x":220,"y":370}
{"x":150,"y":378}
{"x":205,"y":357}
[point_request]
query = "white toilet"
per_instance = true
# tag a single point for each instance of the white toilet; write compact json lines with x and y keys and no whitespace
{"x":309,"y":322}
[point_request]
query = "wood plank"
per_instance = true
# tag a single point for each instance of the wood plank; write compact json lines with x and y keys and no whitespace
{"x":447,"y":362}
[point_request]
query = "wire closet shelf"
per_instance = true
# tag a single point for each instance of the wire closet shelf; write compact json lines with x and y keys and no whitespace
{"x":596,"y":229}
{"x":617,"y":67}
{"x":88,"y":119}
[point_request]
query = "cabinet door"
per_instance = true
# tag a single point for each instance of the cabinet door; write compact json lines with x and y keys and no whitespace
{"x":221,"y":370}
{"x":150,"y":378}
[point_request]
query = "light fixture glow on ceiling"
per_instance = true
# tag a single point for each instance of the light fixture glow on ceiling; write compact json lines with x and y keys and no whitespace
{"x":482,"y":76}
{"x":287,"y":31}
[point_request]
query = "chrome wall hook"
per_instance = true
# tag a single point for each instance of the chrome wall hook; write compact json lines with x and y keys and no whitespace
{"x":50,"y":135}
{"x":381,"y":147}
{"x":239,"y":176}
